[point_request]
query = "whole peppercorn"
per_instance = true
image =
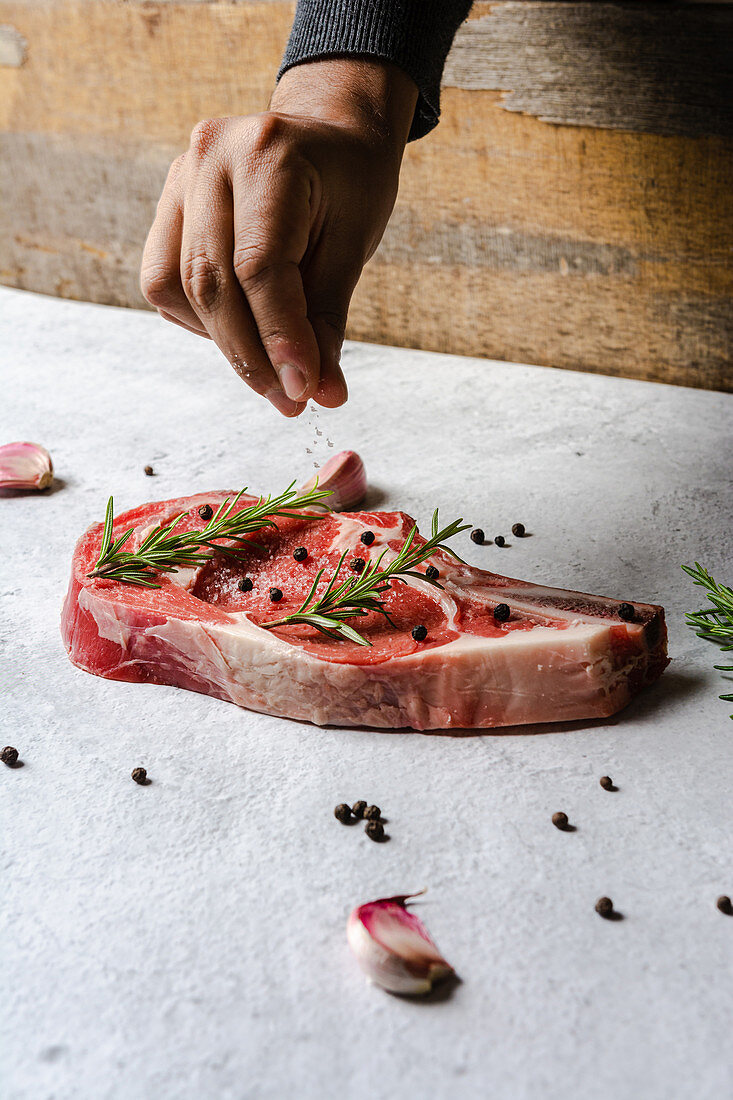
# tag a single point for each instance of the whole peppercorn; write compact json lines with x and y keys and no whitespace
{"x":606,"y":782}
{"x":300,"y":553}
{"x":432,"y":573}
{"x":604,"y":907}
{"x":358,"y":809}
{"x":343,"y":813}
{"x":499,"y":540}
{"x":9,"y":756}
{"x":626,"y":612}
{"x":372,"y":813}
{"x":502,"y":612}
{"x":724,"y":904}
{"x":560,"y":820}
{"x":374,"y":830}
{"x":357,"y":564}
{"x":518,"y":530}
{"x":148,"y":471}
{"x":275,"y":595}
{"x":367,"y":537}
{"x":477,"y":535}
{"x":245,"y":584}
{"x":140,"y":776}
{"x":419,"y":633}
{"x":206,"y":511}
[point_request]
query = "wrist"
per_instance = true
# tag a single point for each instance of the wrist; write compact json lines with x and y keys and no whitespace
{"x":374,"y":99}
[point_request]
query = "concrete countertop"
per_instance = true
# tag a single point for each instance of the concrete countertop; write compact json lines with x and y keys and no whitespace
{"x":187,"y":939}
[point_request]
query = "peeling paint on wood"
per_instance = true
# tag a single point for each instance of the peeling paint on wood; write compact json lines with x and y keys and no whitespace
{"x":13,"y":47}
{"x":655,"y":68}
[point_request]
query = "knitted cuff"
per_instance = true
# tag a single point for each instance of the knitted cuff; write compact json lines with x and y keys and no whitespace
{"x":413,"y":34}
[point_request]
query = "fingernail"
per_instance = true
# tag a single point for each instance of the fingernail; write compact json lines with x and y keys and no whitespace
{"x":293,"y":381}
{"x":282,"y":403}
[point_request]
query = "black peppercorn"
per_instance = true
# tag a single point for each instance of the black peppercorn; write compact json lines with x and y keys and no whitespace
{"x":206,"y":511}
{"x":275,"y":595}
{"x":140,"y":776}
{"x":343,"y":813}
{"x":477,"y":535}
{"x":502,"y":612}
{"x":604,"y":907}
{"x":432,"y":573}
{"x":560,"y":820}
{"x":518,"y":530}
{"x":499,"y":540}
{"x":148,"y":471}
{"x":724,"y":904}
{"x":374,"y":830}
{"x":9,"y":756}
{"x":372,"y":813}
{"x":245,"y":584}
{"x":358,"y":809}
{"x":367,"y":537}
{"x":606,"y":782}
{"x":419,"y":633}
{"x":626,"y":612}
{"x":300,"y":553}
{"x":357,"y":564}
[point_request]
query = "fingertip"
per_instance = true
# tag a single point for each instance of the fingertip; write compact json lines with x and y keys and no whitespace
{"x":283,"y":404}
{"x":332,"y":390}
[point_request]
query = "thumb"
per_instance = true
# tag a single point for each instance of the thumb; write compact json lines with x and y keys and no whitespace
{"x":329,"y":283}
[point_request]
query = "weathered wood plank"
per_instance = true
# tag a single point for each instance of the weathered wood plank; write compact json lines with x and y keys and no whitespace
{"x":655,"y":68}
{"x":577,"y":245}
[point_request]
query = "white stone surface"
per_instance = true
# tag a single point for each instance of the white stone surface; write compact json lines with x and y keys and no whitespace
{"x":187,"y":939}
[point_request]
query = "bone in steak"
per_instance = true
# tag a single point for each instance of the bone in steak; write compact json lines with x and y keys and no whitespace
{"x":559,"y":656}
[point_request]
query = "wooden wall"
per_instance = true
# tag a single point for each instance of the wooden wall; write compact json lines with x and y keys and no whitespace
{"x":573,"y":208}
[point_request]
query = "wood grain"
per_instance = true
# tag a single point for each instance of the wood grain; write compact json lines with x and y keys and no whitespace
{"x":656,"y":68}
{"x":592,"y":243}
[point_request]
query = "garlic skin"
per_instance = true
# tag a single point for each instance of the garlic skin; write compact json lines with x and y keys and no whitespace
{"x":393,"y":947}
{"x":345,"y":476}
{"x":25,"y":466}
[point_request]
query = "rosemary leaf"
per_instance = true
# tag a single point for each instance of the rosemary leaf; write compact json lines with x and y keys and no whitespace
{"x":357,"y":595}
{"x":166,"y":549}
{"x":714,"y":624}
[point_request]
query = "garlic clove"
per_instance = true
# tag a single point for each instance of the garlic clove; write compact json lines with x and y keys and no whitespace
{"x":25,"y":466}
{"x":393,"y":947}
{"x":345,"y":476}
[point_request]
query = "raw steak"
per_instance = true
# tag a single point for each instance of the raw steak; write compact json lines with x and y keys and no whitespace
{"x":560,"y":656}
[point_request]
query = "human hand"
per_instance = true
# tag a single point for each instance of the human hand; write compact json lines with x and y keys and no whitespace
{"x":265,"y":223}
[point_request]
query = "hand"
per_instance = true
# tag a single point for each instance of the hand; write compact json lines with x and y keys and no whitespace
{"x":266,"y":221}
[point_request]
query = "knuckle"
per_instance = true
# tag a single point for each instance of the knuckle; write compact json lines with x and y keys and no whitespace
{"x":203,"y":281}
{"x":205,"y":134}
{"x":160,"y":285}
{"x":253,"y":263}
{"x":266,"y":130}
{"x":334,"y":319}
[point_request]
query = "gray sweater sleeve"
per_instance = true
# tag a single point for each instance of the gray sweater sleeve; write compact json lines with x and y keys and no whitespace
{"x":414,"y":34}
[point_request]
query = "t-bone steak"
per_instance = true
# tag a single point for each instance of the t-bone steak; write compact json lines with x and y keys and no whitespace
{"x":559,"y":656}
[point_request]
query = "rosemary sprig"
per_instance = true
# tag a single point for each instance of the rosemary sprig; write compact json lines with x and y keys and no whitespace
{"x":165,"y":549}
{"x":361,"y":593}
{"x":714,"y":624}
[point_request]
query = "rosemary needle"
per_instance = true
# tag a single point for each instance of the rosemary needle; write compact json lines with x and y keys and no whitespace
{"x":359,"y":594}
{"x":166,"y":549}
{"x":714,"y":624}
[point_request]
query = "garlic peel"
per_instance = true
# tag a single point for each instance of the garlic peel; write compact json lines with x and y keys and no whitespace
{"x":393,"y":946}
{"x":345,"y":476}
{"x":25,"y":466}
